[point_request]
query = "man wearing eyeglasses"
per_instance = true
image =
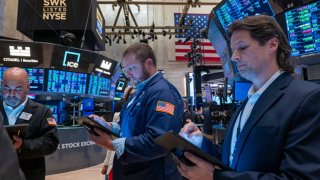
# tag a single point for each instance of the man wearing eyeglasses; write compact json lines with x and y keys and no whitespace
{"x":155,"y":108}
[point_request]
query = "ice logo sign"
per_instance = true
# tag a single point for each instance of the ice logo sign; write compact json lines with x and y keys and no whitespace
{"x":71,"y":59}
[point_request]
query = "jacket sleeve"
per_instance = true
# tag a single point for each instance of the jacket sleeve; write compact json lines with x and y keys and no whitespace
{"x":43,"y":140}
{"x":142,"y":147}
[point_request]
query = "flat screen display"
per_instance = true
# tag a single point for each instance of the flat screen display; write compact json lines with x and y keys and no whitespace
{"x":119,"y":89}
{"x":241,"y":89}
{"x":36,"y":77}
{"x":230,"y":10}
{"x":66,"y":82}
{"x":303,"y":29}
{"x":99,"y":86}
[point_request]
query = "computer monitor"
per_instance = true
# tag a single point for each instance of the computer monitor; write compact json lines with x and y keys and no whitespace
{"x":240,"y":90}
{"x":66,"y":82}
{"x":302,"y":25}
{"x":99,"y":86}
{"x":36,"y":77}
{"x":230,"y":10}
{"x":119,"y":89}
{"x":87,"y":104}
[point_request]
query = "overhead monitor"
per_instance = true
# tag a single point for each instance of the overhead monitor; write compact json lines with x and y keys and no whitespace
{"x":302,"y":25}
{"x":221,"y":45}
{"x":36,"y":77}
{"x":66,"y":82}
{"x":99,"y":86}
{"x":230,"y":10}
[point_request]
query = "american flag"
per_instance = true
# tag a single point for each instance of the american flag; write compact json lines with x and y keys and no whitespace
{"x":199,"y":21}
{"x":165,"y":107}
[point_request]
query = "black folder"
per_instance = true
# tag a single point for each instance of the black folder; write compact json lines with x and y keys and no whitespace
{"x":176,"y":144}
{"x":90,"y":123}
{"x":19,"y":130}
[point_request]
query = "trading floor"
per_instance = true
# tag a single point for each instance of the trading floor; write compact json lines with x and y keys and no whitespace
{"x":91,"y":173}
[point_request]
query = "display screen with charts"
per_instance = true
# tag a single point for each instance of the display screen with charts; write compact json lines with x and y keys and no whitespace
{"x":176,"y":144}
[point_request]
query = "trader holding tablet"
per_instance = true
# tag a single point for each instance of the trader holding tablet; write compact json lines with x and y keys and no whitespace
{"x":41,"y":138}
{"x":275,"y":134}
{"x":155,"y":108}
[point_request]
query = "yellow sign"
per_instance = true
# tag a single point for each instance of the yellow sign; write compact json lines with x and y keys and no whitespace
{"x":54,"y":10}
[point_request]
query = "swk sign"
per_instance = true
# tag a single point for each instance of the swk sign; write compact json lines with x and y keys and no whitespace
{"x":54,"y":10}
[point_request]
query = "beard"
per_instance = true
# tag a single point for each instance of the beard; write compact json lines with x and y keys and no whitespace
{"x":12,"y":101}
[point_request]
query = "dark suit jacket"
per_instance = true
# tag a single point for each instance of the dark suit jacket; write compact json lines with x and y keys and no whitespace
{"x":40,"y":140}
{"x":281,"y":139}
{"x":9,"y":166}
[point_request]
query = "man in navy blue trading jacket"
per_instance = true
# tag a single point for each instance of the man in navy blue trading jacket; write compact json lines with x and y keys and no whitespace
{"x":155,"y":108}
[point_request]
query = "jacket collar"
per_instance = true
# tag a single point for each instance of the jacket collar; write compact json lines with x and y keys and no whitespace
{"x":266,"y":100}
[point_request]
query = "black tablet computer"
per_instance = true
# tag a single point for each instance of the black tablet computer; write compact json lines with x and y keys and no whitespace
{"x":176,"y":144}
{"x":90,"y":123}
{"x":19,"y":130}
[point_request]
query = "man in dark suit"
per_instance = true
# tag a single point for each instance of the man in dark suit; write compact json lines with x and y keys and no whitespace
{"x":41,"y":138}
{"x":9,"y":166}
{"x":275,"y":134}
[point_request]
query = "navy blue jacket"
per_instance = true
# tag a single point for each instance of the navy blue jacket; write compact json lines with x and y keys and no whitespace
{"x":140,"y":124}
{"x":281,"y":138}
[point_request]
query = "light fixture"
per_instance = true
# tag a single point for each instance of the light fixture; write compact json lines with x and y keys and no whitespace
{"x":124,"y":40}
{"x":164,"y":33}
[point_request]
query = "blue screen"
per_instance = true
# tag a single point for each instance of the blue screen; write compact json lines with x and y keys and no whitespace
{"x":119,"y":91}
{"x":36,"y":77}
{"x":241,"y":89}
{"x":231,"y":10}
{"x":99,"y":86}
{"x":66,"y":82}
{"x":87,"y":104}
{"x":303,"y":29}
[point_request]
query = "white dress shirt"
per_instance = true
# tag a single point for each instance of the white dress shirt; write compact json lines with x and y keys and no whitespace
{"x":13,"y":113}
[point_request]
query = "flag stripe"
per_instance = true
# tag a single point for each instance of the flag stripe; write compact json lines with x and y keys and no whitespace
{"x":211,"y":59}
{"x":182,"y":48}
{"x":201,"y":51}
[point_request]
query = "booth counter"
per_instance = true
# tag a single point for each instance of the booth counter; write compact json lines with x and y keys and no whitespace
{"x":75,"y":151}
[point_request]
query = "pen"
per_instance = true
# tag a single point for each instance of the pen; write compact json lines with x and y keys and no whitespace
{"x":18,"y":133}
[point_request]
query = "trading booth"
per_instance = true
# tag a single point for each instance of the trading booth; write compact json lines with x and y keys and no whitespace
{"x":72,"y":82}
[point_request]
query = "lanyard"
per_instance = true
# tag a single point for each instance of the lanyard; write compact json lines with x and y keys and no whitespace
{"x":239,"y":125}
{"x":240,"y":118}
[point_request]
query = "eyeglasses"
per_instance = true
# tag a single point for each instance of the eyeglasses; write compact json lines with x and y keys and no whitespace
{"x":130,"y":68}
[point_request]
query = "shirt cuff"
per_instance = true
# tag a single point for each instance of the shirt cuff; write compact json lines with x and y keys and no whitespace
{"x":115,"y":128}
{"x":118,"y":145}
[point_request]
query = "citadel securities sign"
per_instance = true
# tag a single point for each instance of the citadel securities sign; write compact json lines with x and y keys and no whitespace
{"x":20,"y":54}
{"x":54,"y":10}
